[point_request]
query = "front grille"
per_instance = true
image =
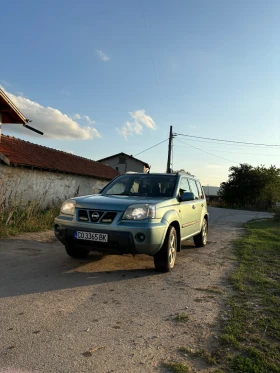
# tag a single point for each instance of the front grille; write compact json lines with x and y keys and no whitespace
{"x":83,"y":215}
{"x":96,"y":216}
{"x":108,"y":217}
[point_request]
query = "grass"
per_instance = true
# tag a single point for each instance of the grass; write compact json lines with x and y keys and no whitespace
{"x":176,"y":367}
{"x":31,"y":218}
{"x":182,"y":317}
{"x":250,"y":340}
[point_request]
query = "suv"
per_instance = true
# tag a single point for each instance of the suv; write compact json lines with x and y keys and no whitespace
{"x":136,"y":213}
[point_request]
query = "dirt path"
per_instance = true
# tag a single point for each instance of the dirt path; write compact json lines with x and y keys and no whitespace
{"x":111,"y":313}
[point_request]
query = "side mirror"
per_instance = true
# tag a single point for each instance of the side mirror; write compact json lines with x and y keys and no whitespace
{"x":187,"y":196}
{"x":96,"y":190}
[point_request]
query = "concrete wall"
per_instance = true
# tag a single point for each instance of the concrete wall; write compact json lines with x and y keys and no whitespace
{"x":46,"y":187}
{"x":130,"y":165}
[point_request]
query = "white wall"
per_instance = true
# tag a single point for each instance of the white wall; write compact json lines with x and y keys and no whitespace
{"x":131,"y":165}
{"x":47,"y":187}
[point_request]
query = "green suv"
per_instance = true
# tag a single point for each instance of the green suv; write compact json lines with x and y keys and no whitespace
{"x":136,"y":213}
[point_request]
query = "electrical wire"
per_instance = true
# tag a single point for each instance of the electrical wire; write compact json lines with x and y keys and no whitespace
{"x":229,"y":141}
{"x":225,"y":159}
{"x":226,"y":151}
{"x":233,"y":145}
{"x":151,"y":147}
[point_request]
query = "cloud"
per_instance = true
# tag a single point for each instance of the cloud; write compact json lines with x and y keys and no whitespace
{"x":51,"y":121}
{"x":4,"y":82}
{"x":102,"y":55}
{"x":136,"y":125}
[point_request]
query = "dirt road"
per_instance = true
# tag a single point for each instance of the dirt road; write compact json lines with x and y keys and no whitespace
{"x":111,"y":313}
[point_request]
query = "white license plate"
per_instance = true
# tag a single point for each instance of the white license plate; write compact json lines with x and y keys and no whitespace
{"x":89,"y":236}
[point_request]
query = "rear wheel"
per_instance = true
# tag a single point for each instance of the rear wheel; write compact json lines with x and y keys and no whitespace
{"x":75,"y":252}
{"x":200,"y":240}
{"x":164,"y":260}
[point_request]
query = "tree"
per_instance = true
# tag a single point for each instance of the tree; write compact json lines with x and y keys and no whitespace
{"x":247,"y":185}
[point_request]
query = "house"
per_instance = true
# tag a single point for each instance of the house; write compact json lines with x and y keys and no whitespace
{"x":9,"y":113}
{"x":123,"y":162}
{"x":211,"y":192}
{"x":34,"y":172}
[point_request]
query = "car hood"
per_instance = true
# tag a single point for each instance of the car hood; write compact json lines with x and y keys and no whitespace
{"x":113,"y":202}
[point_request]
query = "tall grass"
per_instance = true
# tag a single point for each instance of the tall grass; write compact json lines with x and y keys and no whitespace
{"x":18,"y":215}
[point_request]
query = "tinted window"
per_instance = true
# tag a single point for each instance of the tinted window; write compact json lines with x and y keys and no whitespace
{"x":194,"y":188}
{"x":200,"y":190}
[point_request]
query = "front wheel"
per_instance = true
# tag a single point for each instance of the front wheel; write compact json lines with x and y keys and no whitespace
{"x":200,"y":240}
{"x":77,"y":253}
{"x":164,"y":260}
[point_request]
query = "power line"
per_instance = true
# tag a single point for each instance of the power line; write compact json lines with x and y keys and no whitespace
{"x":151,"y":54}
{"x":225,"y":159}
{"x":230,"y":141}
{"x":232,"y":144}
{"x":150,"y":147}
{"x":226,"y":151}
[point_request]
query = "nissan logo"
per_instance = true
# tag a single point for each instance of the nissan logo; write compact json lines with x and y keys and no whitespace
{"x":95,"y":216}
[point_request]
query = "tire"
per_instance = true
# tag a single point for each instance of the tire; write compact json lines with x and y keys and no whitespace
{"x":164,"y":260}
{"x":77,"y":253}
{"x":200,"y":240}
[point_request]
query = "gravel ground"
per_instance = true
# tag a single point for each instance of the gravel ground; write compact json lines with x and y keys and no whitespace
{"x":111,"y":313}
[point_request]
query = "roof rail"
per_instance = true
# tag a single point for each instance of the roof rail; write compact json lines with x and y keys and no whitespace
{"x":184,"y":173}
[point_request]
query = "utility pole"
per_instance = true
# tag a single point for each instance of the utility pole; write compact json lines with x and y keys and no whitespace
{"x":168,"y":168}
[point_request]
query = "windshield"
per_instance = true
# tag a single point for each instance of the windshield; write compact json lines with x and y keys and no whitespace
{"x":142,"y":185}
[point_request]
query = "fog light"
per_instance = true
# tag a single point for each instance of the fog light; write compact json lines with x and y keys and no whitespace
{"x":140,"y":237}
{"x":56,"y":228}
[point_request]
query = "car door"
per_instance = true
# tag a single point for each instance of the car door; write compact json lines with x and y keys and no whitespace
{"x":201,"y":206}
{"x":187,"y":211}
{"x":196,"y":205}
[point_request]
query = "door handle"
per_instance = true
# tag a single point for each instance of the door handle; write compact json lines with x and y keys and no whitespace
{"x":202,"y":205}
{"x":193,"y":206}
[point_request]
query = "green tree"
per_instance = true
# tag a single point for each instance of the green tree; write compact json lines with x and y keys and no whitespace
{"x":247,"y":185}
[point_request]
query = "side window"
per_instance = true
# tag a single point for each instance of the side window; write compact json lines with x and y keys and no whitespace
{"x":194,"y":189}
{"x":184,"y":186}
{"x":135,"y":187}
{"x":200,"y":190}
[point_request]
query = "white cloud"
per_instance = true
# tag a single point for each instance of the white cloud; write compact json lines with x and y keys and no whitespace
{"x":4,"y":82}
{"x":102,"y":55}
{"x":135,"y":126}
{"x":51,"y":121}
{"x":88,"y":119}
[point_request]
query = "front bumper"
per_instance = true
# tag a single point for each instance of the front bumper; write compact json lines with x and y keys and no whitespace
{"x":121,"y":237}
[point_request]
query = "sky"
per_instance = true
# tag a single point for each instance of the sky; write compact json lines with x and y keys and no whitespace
{"x":103,"y":77}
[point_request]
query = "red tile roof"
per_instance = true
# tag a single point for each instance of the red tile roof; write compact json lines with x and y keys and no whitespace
{"x":24,"y":153}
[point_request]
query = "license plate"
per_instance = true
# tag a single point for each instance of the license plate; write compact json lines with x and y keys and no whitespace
{"x":89,"y":236}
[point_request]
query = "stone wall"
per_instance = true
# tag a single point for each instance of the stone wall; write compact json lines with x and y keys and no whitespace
{"x":24,"y":184}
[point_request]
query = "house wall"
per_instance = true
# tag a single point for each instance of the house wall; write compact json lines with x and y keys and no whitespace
{"x":24,"y":184}
{"x":130,"y":165}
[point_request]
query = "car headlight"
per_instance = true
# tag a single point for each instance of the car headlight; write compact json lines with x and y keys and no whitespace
{"x":68,"y":207}
{"x":140,"y":212}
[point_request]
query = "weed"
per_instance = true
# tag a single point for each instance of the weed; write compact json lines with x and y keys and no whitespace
{"x":182,"y":317}
{"x":176,"y":367}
